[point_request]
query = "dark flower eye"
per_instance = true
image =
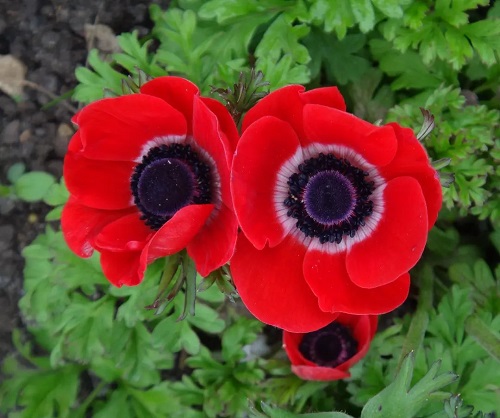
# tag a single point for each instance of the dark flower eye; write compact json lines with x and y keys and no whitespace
{"x":328,"y":353}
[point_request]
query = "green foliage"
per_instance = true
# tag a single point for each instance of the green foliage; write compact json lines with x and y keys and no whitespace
{"x":101,"y":353}
{"x":466,"y":135}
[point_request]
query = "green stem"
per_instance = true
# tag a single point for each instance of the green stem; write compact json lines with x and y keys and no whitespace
{"x":478,"y":330}
{"x":80,"y":412}
{"x":420,"y":321}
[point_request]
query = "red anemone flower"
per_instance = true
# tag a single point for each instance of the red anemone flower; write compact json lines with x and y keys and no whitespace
{"x":335,"y":211}
{"x":328,"y":353}
{"x":148,"y":175}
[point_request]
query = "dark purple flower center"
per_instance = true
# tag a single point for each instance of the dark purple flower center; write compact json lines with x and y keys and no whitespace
{"x":329,"y":197}
{"x":168,"y":178}
{"x":329,"y":346}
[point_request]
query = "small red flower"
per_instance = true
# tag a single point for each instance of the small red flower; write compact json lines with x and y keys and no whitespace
{"x":148,"y":175}
{"x":328,"y":353}
{"x":335,"y":211}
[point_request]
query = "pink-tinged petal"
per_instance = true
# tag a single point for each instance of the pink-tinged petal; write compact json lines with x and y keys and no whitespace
{"x":326,"y":96}
{"x":123,"y":268}
{"x":209,"y":137}
{"x":81,"y":224}
{"x":129,"y":233}
{"x":177,"y":232}
{"x":226,"y":123}
{"x":177,"y":92}
{"x":327,"y":277}
{"x":284,"y":103}
{"x":99,"y":184}
{"x":411,"y":160}
{"x":261,"y":152}
{"x":330,"y":126}
{"x":398,"y":241}
{"x":272,"y":287}
{"x":319,"y":373}
{"x":214,"y":245}
{"x":118,"y":129}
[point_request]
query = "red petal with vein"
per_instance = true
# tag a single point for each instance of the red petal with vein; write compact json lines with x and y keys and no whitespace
{"x":262,"y":150}
{"x":272,"y":287}
{"x":326,"y":125}
{"x":226,"y":123}
{"x":99,"y":184}
{"x":117,"y":129}
{"x":214,"y":245}
{"x":177,"y":232}
{"x":80,"y":225}
{"x":412,"y":160}
{"x":398,"y":240}
{"x":123,"y":268}
{"x":128,"y":233}
{"x":207,"y":134}
{"x":327,"y":277}
{"x":284,"y":104}
{"x":326,"y":96}
{"x":176,"y":91}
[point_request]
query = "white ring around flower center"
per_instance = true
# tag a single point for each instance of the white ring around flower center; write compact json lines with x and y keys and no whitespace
{"x":184,"y":140}
{"x":281,"y":190}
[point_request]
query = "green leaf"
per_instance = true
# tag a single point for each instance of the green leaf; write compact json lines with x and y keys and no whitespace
{"x":33,"y":186}
{"x":15,"y":171}
{"x":398,"y":400}
{"x":338,"y":57}
{"x":280,"y":55}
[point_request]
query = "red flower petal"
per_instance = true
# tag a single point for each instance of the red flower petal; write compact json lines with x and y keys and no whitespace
{"x":123,"y":268}
{"x":75,"y":144}
{"x":363,"y":329}
{"x":207,"y":134}
{"x":287,"y":104}
{"x":319,"y":373}
{"x":177,"y":232}
{"x":328,"y":126}
{"x":176,"y":91}
{"x":117,"y":129}
{"x":261,"y":152}
{"x":326,"y":96}
{"x":226,"y":122}
{"x":128,"y":233}
{"x":271,"y":285}
{"x":411,"y":160}
{"x":215,"y":243}
{"x":99,"y":184}
{"x":327,"y":276}
{"x":80,"y":224}
{"x":398,"y":240}
{"x":284,"y":103}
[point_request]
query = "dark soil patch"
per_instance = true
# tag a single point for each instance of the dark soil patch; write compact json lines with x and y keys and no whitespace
{"x":48,"y":37}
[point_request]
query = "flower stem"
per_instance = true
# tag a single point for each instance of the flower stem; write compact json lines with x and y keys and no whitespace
{"x":478,"y":330}
{"x":420,"y":321}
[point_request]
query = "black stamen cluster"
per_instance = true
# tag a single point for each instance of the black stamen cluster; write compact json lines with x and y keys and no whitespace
{"x":329,"y":346}
{"x":296,"y":205}
{"x":199,"y":168}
